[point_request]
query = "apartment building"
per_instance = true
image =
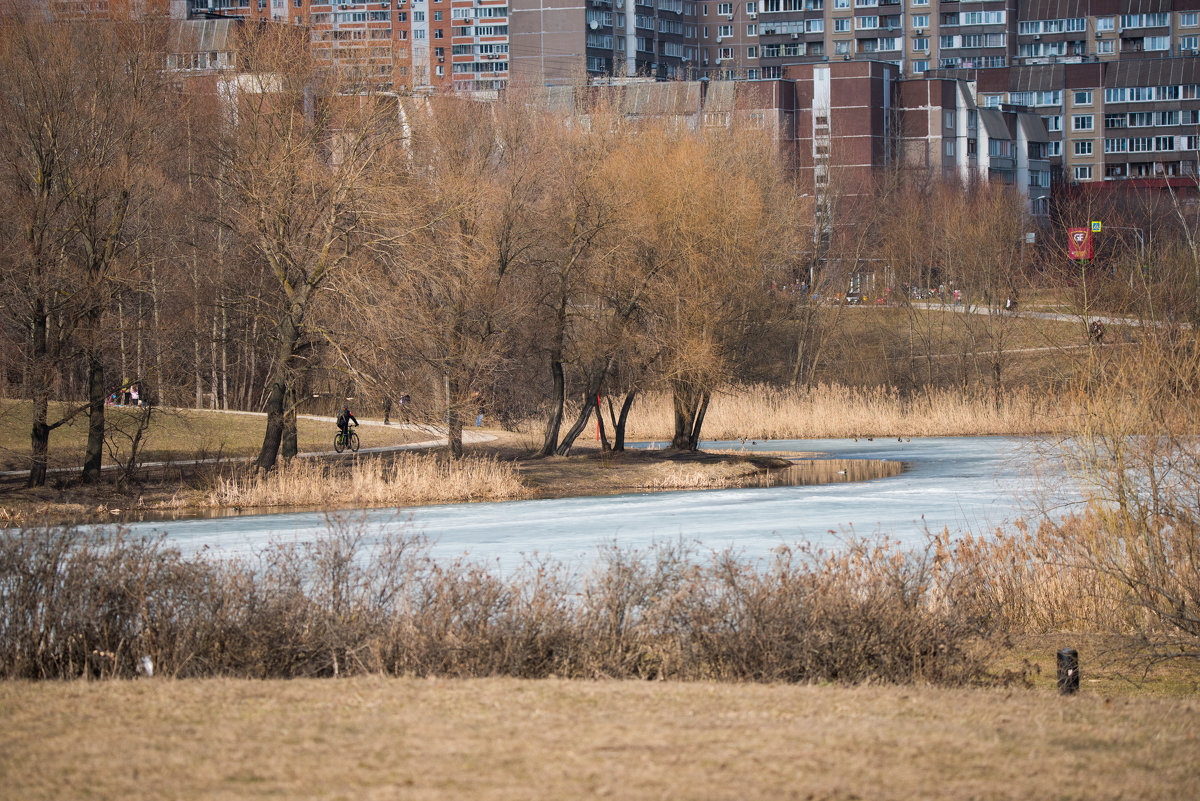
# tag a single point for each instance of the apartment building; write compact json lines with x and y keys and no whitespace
{"x":407,"y":45}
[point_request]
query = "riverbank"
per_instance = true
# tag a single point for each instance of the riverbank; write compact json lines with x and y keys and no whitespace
{"x":498,"y":467}
{"x":375,"y":737}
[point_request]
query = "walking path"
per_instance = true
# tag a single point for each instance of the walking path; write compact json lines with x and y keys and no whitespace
{"x":441,"y":439}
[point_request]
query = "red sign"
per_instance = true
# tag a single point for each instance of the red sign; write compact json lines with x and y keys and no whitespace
{"x":1079,"y":245}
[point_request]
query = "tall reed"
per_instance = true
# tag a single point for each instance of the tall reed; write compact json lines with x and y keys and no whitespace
{"x":761,"y":411}
{"x":403,"y":480}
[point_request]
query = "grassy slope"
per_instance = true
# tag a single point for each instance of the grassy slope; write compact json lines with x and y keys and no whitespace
{"x":174,"y":434}
{"x":372,"y":737}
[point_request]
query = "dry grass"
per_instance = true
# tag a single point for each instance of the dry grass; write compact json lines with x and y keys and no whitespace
{"x":831,"y":411}
{"x":499,"y":739}
{"x":407,"y":479}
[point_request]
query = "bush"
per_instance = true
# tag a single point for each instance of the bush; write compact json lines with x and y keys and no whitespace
{"x":87,"y":603}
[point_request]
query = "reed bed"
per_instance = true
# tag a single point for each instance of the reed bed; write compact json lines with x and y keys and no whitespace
{"x":677,"y":476}
{"x":833,"y":411}
{"x":400,"y":480}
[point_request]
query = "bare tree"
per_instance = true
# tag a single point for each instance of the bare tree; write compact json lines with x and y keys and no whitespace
{"x":82,"y":116}
{"x":299,"y":151}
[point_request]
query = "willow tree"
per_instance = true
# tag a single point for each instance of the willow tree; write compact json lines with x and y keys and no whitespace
{"x":300,"y":150}
{"x":714,"y":225}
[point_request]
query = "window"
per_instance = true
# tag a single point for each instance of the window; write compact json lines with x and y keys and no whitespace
{"x":751,"y":7}
{"x":418,"y":16}
{"x":725,"y":9}
{"x":752,"y":74}
{"x":1054,"y":122}
{"x":751,"y":52}
{"x":920,"y":21}
{"x":841,"y":3}
{"x":1105,"y":23}
{"x":752,"y":30}
{"x":1082,"y":122}
{"x":438,"y":33}
{"x":1156,"y":43}
{"x":724,"y":30}
{"x":1083,"y":98}
{"x":437,"y":16}
{"x":841,"y":46}
{"x":920,"y":66}
{"x":1083,"y":147}
{"x":1106,"y":46}
{"x":814,"y":26}
{"x":948,"y":120}
{"x":841,"y":25}
{"x":866,"y":23}
{"x":1083,"y":172}
{"x":921,"y":45}
{"x":948,"y":148}
{"x":1187,"y":43}
{"x":1189,"y":20}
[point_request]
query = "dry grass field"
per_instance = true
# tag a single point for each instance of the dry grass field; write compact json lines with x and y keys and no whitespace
{"x":379,"y":738}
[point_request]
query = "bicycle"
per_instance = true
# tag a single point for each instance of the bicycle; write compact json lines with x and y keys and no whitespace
{"x":340,"y":442}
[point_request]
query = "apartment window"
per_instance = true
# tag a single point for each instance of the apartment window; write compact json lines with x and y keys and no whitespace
{"x":402,"y":34}
{"x":1083,"y":172}
{"x":1082,"y":122}
{"x":438,"y":33}
{"x":752,"y":30}
{"x":1054,"y":122}
{"x":841,"y":25}
{"x":920,"y":66}
{"x":1156,"y":43}
{"x":841,"y":46}
{"x":1187,"y":43}
{"x":866,"y":23}
{"x":1083,"y":98}
{"x":814,"y":26}
{"x":724,"y":30}
{"x":948,"y":120}
{"x":1189,"y":20}
{"x":1083,"y":147}
{"x":948,"y":148}
{"x":751,"y":8}
{"x":919,"y":2}
{"x":1106,"y":46}
{"x":752,"y":74}
{"x":751,"y":52}
{"x":725,"y":9}
{"x":418,"y":16}
{"x":921,"y":21}
{"x":419,"y":33}
{"x":841,"y":3}
{"x":437,"y":16}
{"x":440,"y":71}
{"x":1105,"y":24}
{"x":921,"y":45}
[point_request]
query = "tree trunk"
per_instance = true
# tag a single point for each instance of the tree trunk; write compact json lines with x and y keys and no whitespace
{"x":691,"y":404}
{"x":40,"y":440}
{"x":453,"y":419}
{"x":569,"y":438}
{"x":290,"y":441}
{"x":558,"y":399}
{"x":277,"y":394}
{"x":94,"y":456}
{"x":590,"y":399}
{"x":620,"y":421}
{"x":39,"y":384}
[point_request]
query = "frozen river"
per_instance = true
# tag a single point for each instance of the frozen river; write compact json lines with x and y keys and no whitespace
{"x":966,"y":484}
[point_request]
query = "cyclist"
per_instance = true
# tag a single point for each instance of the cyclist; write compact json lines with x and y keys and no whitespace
{"x":343,"y":422}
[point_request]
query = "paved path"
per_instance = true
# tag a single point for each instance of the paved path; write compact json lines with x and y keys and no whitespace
{"x":439,"y":439}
